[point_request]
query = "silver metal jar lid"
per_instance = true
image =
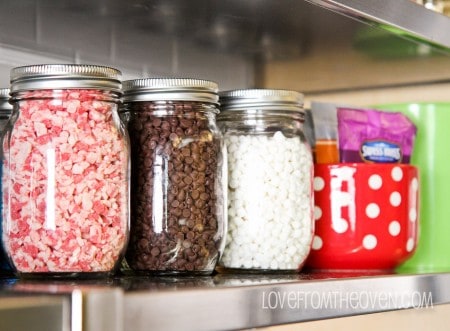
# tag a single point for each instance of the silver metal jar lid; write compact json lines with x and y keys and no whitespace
{"x":170,"y":89}
{"x":65,"y":76}
{"x":266,"y":99}
{"x":5,"y":106}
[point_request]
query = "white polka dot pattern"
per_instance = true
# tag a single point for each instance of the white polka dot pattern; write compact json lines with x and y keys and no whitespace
{"x":397,"y":174}
{"x":317,"y":213}
{"x":317,"y":243}
{"x":415,"y":184}
{"x":394,"y":228}
{"x":410,"y":245}
{"x":375,"y":182}
{"x":395,"y":199}
{"x":370,"y":242}
{"x":319,"y":184}
{"x":372,"y":210}
{"x":386,"y":197}
{"x":412,"y":214}
{"x":340,"y":225}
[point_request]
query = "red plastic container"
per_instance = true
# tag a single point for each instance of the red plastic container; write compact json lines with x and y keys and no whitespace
{"x":366,"y":216}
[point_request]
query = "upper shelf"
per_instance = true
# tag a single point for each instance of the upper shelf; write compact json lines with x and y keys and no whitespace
{"x":403,"y":17}
{"x":355,"y":44}
{"x":251,"y":27}
{"x":381,"y":43}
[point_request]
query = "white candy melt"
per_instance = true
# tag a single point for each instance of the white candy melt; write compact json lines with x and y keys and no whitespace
{"x":270,"y":202}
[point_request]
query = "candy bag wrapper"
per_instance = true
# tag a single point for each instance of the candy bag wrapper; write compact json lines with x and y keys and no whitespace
{"x":374,"y":136}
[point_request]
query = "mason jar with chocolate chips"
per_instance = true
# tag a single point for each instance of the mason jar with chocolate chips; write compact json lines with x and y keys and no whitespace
{"x":178,"y":176}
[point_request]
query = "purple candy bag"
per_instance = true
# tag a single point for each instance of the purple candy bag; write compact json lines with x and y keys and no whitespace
{"x":374,"y":136}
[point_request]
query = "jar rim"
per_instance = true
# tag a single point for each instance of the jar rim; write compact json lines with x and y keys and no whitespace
{"x":170,"y":89}
{"x":256,"y":114}
{"x":65,"y":76}
{"x":263,"y":99}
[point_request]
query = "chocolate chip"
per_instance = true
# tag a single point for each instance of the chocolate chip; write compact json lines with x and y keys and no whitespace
{"x":195,"y":194}
{"x":186,"y":213}
{"x":165,"y":125}
{"x":185,"y":123}
{"x":155,"y":251}
{"x":187,"y":180}
{"x":175,"y":161}
{"x":181,"y":195}
{"x":199,"y":203}
{"x":165,"y":134}
{"x":179,"y":131}
{"x":186,"y":151}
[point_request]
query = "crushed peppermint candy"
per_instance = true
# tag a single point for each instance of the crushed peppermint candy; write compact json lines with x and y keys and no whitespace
{"x":65,"y":183}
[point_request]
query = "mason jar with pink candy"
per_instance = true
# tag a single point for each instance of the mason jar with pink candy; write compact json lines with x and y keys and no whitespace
{"x":65,"y":172}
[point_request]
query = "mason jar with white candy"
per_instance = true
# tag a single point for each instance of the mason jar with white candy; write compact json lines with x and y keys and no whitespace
{"x":270,"y":201}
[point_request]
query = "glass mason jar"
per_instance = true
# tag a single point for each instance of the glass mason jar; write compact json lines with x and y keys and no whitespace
{"x":177,"y":176}
{"x":270,"y":174}
{"x":65,"y":172}
{"x":5,"y":108}
{"x":5,"y":114}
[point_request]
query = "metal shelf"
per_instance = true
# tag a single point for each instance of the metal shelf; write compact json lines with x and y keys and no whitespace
{"x":332,"y":38}
{"x":241,"y":305}
{"x":262,"y":31}
{"x":223,"y":301}
{"x":402,"y":17}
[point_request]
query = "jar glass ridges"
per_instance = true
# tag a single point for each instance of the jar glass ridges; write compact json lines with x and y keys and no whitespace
{"x":5,"y":108}
{"x":270,"y":202}
{"x":65,"y":172}
{"x":177,"y":176}
{"x":5,"y":114}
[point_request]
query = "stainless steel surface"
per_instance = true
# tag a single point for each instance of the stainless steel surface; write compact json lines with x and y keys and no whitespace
{"x":271,"y":301}
{"x":90,"y":305}
{"x":403,"y":17}
{"x":179,"y":38}
{"x":103,"y":310}
{"x":242,"y":26}
{"x":37,"y":313}
{"x":220,"y":302}
{"x":264,"y":32}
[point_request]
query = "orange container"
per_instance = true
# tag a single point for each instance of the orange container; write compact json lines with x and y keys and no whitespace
{"x":326,"y":151}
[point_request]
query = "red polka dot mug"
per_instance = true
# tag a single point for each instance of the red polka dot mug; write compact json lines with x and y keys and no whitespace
{"x":366,"y":216}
